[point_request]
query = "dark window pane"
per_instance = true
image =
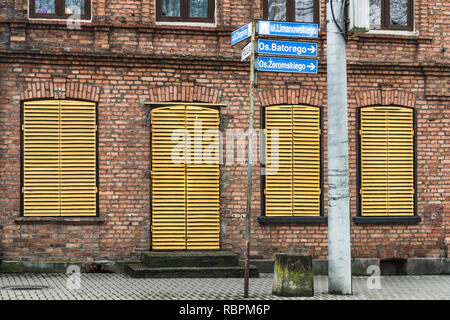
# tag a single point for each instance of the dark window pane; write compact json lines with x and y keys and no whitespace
{"x":45,"y":6}
{"x":304,"y":10}
{"x":399,"y":12}
{"x":375,"y":13}
{"x":277,"y":10}
{"x":199,"y":8}
{"x":74,"y":7}
{"x":170,"y":8}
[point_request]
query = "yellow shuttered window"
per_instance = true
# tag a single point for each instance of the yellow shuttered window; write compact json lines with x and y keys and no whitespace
{"x":293,"y":177}
{"x":59,"y":158}
{"x":185,"y":178}
{"x":387,"y":161}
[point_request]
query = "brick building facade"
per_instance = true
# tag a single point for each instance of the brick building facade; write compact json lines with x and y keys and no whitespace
{"x":124,"y":60}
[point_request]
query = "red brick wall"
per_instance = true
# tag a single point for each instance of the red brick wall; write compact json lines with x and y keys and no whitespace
{"x":121,"y":60}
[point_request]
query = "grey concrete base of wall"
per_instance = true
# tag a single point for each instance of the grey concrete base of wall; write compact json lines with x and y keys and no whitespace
{"x":415,"y":266}
{"x":57,"y":267}
{"x":419,"y":266}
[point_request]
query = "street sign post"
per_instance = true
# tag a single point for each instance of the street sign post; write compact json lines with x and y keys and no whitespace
{"x":249,"y":159}
{"x":274,"y":64}
{"x":271,"y":64}
{"x":288,"y":29}
{"x":287,"y":48}
{"x":241,"y":34}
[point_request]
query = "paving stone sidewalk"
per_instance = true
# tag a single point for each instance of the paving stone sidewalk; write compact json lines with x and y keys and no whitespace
{"x":122,"y":287}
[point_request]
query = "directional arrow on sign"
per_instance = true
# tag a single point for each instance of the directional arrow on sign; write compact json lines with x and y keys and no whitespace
{"x":312,"y":49}
{"x":275,"y":64}
{"x":287,"y":48}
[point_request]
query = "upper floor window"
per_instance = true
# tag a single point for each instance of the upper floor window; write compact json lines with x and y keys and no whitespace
{"x":306,"y":11}
{"x":60,"y":9}
{"x":185,"y":10}
{"x":391,"y":14}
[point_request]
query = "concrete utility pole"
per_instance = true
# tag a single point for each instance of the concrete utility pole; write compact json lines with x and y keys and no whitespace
{"x":339,"y":256}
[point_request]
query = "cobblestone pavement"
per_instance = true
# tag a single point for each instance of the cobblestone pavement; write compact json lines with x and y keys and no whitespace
{"x":122,"y":287}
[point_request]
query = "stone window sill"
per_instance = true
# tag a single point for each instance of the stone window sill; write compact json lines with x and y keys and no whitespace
{"x":60,"y":220}
{"x":268,"y":220}
{"x":396,"y":36}
{"x":386,"y":220}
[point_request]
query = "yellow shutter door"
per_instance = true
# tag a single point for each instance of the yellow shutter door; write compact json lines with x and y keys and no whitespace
{"x":41,"y":167}
{"x":306,"y":161}
{"x":279,"y":162}
{"x":168,"y":179}
{"x":202,"y":174}
{"x":185,"y":195}
{"x":387,"y":161}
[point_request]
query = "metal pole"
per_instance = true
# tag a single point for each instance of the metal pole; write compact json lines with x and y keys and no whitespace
{"x":250,"y":158}
{"x":339,"y":255}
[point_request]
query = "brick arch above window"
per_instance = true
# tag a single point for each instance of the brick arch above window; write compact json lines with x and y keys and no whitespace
{"x":384,"y":96}
{"x":58,"y":89}
{"x":179,"y":93}
{"x":291,"y":96}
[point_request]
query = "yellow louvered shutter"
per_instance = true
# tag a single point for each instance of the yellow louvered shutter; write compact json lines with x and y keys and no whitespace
{"x":292,"y":161}
{"x":306,"y":161}
{"x":202,"y":179}
{"x":59,"y":158}
{"x":168,"y":179}
{"x":78,"y":162}
{"x":279,"y":161}
{"x":185,"y":195}
{"x":387,"y":161}
{"x":41,"y":167}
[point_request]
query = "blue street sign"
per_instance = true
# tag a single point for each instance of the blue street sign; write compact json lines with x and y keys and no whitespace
{"x":288,"y":29}
{"x":287,"y":48}
{"x":273,"y":64}
{"x":241,"y":34}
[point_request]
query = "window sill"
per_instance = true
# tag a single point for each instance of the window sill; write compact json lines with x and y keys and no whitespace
{"x":267,"y":220}
{"x":59,"y":20}
{"x":60,"y":220}
{"x":387,"y":220}
{"x":395,"y":33}
{"x":186,"y":24}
